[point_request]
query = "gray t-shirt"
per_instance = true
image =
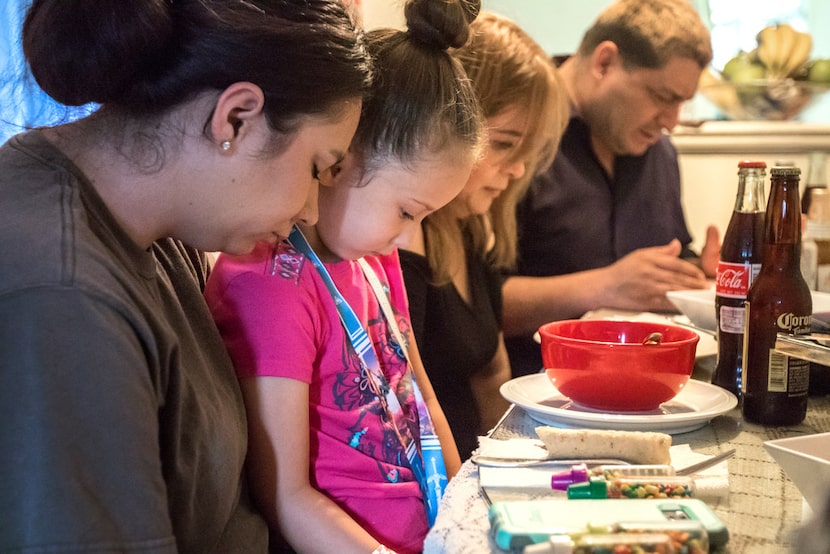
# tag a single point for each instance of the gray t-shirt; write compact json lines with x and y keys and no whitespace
{"x":123,"y":428}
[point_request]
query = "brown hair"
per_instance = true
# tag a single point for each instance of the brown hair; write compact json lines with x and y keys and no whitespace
{"x":507,"y":68}
{"x":649,"y":33}
{"x":422,"y":101}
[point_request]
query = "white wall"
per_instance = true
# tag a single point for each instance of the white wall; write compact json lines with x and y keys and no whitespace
{"x":382,"y":13}
{"x":709,"y":157}
{"x":557,"y":25}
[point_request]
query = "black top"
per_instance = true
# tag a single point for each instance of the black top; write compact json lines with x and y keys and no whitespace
{"x":456,"y":340}
{"x":576,"y":217}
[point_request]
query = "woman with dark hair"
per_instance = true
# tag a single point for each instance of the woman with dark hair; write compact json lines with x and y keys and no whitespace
{"x":350,"y":450}
{"x":123,"y":423}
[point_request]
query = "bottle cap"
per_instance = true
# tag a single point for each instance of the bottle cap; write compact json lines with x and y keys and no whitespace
{"x":595,"y":488}
{"x":751,"y":164}
{"x":785,"y":171}
{"x":563,"y":479}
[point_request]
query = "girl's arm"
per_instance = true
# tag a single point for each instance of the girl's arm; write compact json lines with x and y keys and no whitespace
{"x":278,"y":467}
{"x":452,"y":460}
{"x":485,"y":386}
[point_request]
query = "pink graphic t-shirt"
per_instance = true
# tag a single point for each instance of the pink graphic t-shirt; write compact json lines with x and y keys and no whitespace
{"x":278,"y":319}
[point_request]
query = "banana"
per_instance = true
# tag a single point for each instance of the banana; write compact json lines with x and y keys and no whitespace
{"x":800,"y":54}
{"x":767,"y":40}
{"x":783,"y":50}
{"x":786,"y":41}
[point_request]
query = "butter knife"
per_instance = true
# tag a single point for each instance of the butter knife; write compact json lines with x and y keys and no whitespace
{"x":705,"y":464}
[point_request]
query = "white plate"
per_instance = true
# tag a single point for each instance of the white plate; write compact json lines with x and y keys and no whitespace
{"x":691,"y":409}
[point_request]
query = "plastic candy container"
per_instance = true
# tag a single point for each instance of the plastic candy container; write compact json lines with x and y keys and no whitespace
{"x":639,"y":488}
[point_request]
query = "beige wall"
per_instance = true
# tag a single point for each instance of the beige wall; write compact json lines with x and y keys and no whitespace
{"x":709,"y":157}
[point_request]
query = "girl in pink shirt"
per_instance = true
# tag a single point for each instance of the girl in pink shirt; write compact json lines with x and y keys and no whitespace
{"x":326,"y":454}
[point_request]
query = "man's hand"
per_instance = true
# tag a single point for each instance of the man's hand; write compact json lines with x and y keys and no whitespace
{"x":710,"y":255}
{"x":640,"y":280}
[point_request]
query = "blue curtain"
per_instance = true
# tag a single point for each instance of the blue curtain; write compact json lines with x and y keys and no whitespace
{"x":23,"y":104}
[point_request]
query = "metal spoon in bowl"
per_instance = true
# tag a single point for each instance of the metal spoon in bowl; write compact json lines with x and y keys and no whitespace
{"x":653,"y":338}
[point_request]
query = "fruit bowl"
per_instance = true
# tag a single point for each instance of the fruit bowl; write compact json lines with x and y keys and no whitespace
{"x":762,"y":99}
{"x":603,"y":364}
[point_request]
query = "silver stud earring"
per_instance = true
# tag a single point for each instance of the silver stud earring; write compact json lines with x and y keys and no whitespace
{"x":226,"y":145}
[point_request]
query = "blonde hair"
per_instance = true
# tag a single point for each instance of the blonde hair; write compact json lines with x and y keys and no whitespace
{"x":507,"y":69}
{"x":648,"y":33}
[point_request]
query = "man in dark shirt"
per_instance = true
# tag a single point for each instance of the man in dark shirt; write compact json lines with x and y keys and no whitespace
{"x":604,"y":227}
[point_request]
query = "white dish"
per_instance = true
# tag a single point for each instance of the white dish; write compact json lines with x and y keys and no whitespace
{"x":699,"y":305}
{"x":691,"y":409}
{"x":806,"y":460}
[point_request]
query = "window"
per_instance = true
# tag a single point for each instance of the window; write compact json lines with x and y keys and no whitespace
{"x":22,"y":103}
{"x":735,"y":23}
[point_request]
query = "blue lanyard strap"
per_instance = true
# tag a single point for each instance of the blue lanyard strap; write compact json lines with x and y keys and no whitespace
{"x":432,"y":475}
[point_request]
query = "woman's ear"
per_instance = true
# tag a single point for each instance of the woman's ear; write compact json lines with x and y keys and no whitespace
{"x":236,"y":108}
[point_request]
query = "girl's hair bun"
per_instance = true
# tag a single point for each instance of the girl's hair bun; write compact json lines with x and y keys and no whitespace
{"x":441,"y":24}
{"x":84,"y":51}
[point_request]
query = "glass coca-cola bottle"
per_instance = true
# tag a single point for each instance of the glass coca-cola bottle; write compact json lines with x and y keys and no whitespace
{"x":740,"y":262}
{"x":774,"y":386}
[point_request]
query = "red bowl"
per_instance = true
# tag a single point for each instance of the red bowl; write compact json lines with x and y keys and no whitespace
{"x":604,"y":365}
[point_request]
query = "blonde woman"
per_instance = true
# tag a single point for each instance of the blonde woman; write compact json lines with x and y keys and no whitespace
{"x":453,"y":267}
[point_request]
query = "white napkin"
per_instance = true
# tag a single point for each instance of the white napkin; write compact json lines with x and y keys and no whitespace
{"x":711,"y":483}
{"x":514,"y":449}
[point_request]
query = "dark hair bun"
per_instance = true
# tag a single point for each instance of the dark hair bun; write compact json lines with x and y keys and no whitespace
{"x":441,"y":24}
{"x":84,"y":51}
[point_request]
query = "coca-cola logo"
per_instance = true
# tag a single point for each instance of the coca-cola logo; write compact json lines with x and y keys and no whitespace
{"x":790,"y":321}
{"x":731,"y":279}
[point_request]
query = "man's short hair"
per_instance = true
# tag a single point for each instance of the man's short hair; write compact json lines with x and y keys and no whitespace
{"x":648,"y":33}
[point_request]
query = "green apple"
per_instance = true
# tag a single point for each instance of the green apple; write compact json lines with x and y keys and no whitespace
{"x":819,"y":71}
{"x":743,"y":69}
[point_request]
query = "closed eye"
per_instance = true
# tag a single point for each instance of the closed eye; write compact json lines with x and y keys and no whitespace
{"x":501,"y":145}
